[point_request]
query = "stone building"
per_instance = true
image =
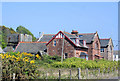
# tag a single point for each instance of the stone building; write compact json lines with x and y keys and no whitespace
{"x":107,"y":48}
{"x":68,"y":44}
{"x":14,"y":39}
{"x":92,"y":42}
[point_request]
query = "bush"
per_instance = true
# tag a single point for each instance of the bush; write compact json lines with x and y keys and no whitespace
{"x":82,"y":63}
{"x":22,"y":64}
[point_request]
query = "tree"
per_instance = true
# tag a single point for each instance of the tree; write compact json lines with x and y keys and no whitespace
{"x":23,"y":30}
{"x":4,"y":31}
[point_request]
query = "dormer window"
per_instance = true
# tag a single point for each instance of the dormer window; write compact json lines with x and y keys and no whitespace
{"x":77,"y":41}
{"x":84,"y":42}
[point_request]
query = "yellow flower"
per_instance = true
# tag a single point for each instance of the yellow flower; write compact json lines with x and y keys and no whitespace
{"x":13,"y":56}
{"x":37,"y":56}
{"x":3,"y":57}
{"x":32,"y":61}
{"x":7,"y":56}
{"x":26,"y":60}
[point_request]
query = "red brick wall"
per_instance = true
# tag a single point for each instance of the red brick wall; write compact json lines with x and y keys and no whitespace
{"x":92,"y":50}
{"x":68,"y":48}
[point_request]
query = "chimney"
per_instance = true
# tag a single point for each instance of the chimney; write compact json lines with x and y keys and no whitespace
{"x":74,"y":32}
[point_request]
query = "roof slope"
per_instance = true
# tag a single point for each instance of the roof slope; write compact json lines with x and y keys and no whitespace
{"x":30,"y":47}
{"x":104,"y":42}
{"x":46,"y":37}
{"x":70,"y":35}
{"x":88,"y":37}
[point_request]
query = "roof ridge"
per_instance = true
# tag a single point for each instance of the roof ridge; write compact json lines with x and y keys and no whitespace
{"x":86,"y":33}
{"x":49,"y":34}
{"x":105,"y":39}
{"x":69,"y":33}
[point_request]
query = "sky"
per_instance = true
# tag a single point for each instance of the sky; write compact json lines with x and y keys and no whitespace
{"x":51,"y":17}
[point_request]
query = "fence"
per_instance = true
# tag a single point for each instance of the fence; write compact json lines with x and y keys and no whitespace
{"x":77,"y":73}
{"x":74,"y":73}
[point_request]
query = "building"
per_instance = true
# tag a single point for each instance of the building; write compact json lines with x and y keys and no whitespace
{"x":92,"y":42}
{"x":68,"y":45}
{"x":107,"y":48}
{"x":31,"y":47}
{"x":71,"y":47}
{"x":14,"y":39}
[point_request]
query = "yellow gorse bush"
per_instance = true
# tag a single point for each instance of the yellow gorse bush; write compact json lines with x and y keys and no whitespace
{"x":32,"y":61}
{"x":20,"y":63}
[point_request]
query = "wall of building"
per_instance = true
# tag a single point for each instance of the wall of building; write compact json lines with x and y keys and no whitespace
{"x":93,"y":49}
{"x":57,"y":50}
{"x":110,"y":50}
{"x":105,"y":54}
{"x":68,"y":48}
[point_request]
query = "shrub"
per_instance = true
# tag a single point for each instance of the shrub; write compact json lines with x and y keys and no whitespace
{"x":22,"y":64}
{"x":82,"y":63}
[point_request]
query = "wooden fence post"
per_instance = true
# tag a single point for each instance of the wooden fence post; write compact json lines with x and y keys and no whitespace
{"x":59,"y":75}
{"x":70,"y":74}
{"x":13,"y":76}
{"x":46,"y":74}
{"x":86,"y":73}
{"x":98,"y":72}
{"x":79,"y":73}
{"x":103,"y":72}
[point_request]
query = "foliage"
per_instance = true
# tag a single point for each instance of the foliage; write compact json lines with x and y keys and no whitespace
{"x":23,"y":30}
{"x":82,"y":63}
{"x":22,"y":64}
{"x":46,"y":60}
{"x":4,"y":31}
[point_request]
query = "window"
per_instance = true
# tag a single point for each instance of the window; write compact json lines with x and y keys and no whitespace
{"x":54,"y":43}
{"x":77,"y":41}
{"x":65,"y":55}
{"x":80,"y":35}
{"x":96,"y":45}
{"x":102,"y":49}
{"x":110,"y":48}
